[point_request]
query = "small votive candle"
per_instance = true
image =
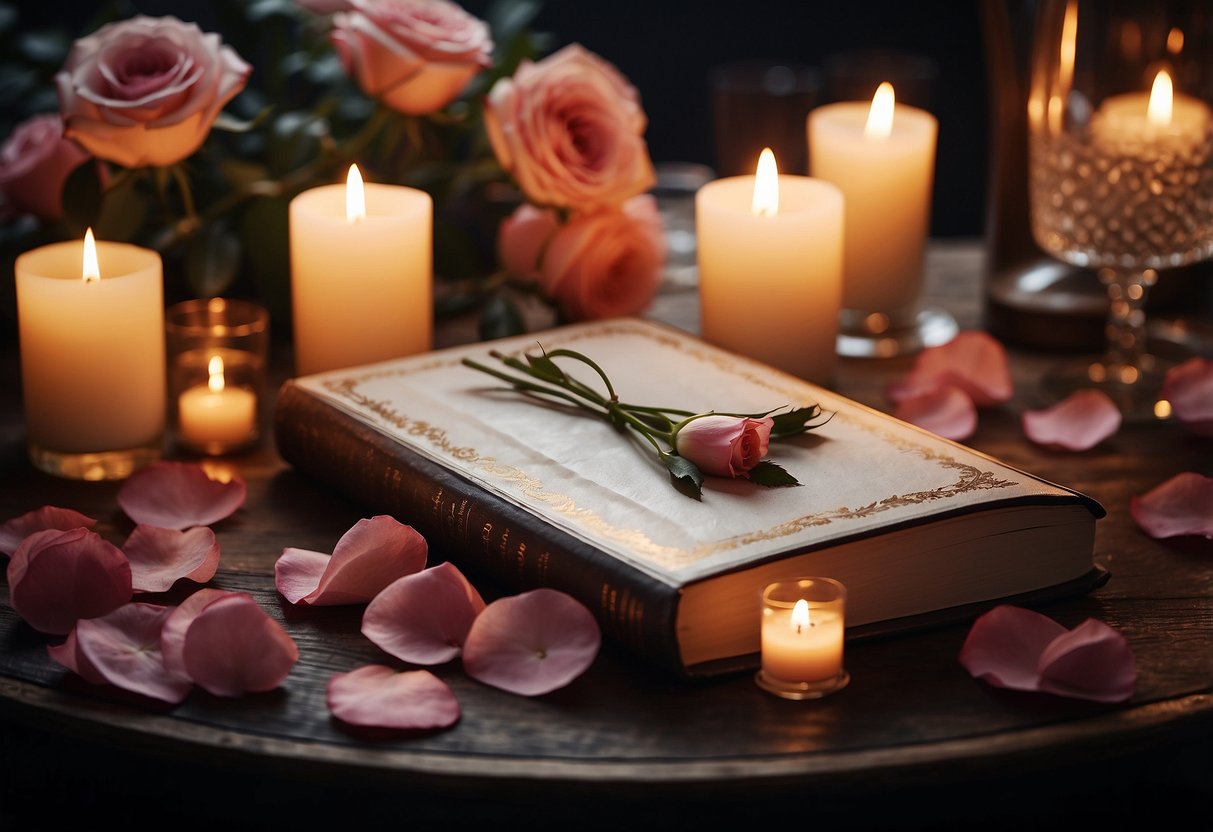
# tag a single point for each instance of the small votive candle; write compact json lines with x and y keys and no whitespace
{"x":803,"y":627}
{"x":217,"y":355}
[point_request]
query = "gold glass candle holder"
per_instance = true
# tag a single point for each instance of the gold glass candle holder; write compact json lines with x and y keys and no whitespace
{"x":217,"y":355}
{"x":803,"y":627}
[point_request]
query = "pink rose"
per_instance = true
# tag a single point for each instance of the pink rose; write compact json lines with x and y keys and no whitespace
{"x":35,"y":161}
{"x":414,"y":55}
{"x":725,"y":446}
{"x":606,"y":264}
{"x":522,"y":238}
{"x":570,"y":130}
{"x":145,"y":91}
{"x":1188,"y":386}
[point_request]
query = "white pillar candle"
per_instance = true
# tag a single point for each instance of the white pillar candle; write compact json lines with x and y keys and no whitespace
{"x":361,"y":286}
{"x":799,"y":645}
{"x":770,"y":282}
{"x":886,"y":178}
{"x":215,"y":416}
{"x":92,"y":351}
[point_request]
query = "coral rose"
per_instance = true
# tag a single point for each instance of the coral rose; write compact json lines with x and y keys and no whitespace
{"x":415,"y":55}
{"x":522,"y":238}
{"x":606,"y":264}
{"x":35,"y":161}
{"x":570,"y":130}
{"x":145,"y":91}
{"x":725,"y":446}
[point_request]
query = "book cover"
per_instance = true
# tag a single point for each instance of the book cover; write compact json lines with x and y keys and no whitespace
{"x":542,"y":495}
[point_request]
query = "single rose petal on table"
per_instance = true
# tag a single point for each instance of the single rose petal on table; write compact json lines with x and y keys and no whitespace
{"x":423,"y":618}
{"x":1189,"y":389}
{"x":379,"y":697}
{"x":178,"y":495}
{"x":232,"y":647}
{"x":68,"y":655}
{"x":57,"y":577}
{"x":945,"y":411}
{"x":172,"y":635}
{"x":1004,"y":646}
{"x":368,"y":557}
{"x":1080,"y":421}
{"x":40,"y":519}
{"x":974,"y":361}
{"x":531,"y":644}
{"x":123,"y":648}
{"x":1092,"y":661}
{"x":159,"y":557}
{"x":1182,"y":505}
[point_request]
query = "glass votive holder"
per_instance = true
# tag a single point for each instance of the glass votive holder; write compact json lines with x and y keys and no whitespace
{"x":803,"y":627}
{"x":217,"y":352}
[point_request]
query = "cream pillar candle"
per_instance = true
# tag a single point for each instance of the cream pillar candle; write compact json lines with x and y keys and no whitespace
{"x":361,"y":281}
{"x":886,"y":171}
{"x":770,"y":280}
{"x":92,"y":357}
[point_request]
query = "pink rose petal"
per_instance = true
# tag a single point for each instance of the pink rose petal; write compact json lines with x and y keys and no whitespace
{"x":68,"y":655}
{"x":172,"y":635}
{"x":531,"y":644}
{"x":232,"y":647}
{"x":124,"y":648}
{"x":57,"y":577}
{"x":377,"y":696}
{"x":1080,"y":421}
{"x":1189,"y":389}
{"x":1092,"y":661}
{"x":1183,"y":505}
{"x":159,"y":557}
{"x":423,"y":618}
{"x":974,"y":361}
{"x":40,"y":519}
{"x":945,"y":411}
{"x":372,"y":554}
{"x":1005,"y":644}
{"x":178,"y":495}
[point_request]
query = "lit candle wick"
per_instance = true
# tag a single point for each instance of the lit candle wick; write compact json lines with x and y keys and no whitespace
{"x":800,"y":615}
{"x":91,"y":272}
{"x":214,"y":370}
{"x":880,"y":116}
{"x":1158,"y":111}
{"x":355,"y":196}
{"x":766,"y":186}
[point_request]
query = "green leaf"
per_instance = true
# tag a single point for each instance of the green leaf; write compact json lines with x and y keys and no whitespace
{"x":684,"y":474}
{"x":795,"y":421}
{"x":544,"y":368}
{"x":212,"y":261}
{"x":499,"y":318}
{"x":82,"y":198}
{"x":770,"y":475}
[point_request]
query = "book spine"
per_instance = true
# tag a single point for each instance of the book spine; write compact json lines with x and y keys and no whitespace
{"x":472,"y":527}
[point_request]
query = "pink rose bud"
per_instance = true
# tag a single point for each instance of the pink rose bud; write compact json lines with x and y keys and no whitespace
{"x":35,"y":161}
{"x":725,"y":446}
{"x":522,"y":238}
{"x":145,"y":91}
{"x":417,"y":56}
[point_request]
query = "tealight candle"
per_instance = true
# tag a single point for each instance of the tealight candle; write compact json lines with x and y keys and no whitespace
{"x":802,"y":633}
{"x":215,"y":415}
{"x":361,"y":274}
{"x":770,"y":268}
{"x":91,"y":331}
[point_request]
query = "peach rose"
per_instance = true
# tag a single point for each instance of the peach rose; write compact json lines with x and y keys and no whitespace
{"x":725,"y":446}
{"x":606,"y":264}
{"x":570,"y":130}
{"x":522,"y":238}
{"x":35,"y":161}
{"x":145,"y":91}
{"x":414,"y":55}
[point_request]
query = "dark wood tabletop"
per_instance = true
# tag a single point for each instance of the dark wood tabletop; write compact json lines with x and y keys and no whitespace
{"x":913,"y":742}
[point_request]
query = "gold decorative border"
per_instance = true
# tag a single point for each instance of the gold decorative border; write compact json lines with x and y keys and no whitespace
{"x":969,"y":477}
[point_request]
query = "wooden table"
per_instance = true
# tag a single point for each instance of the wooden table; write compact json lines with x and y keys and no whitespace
{"x":913,"y":742}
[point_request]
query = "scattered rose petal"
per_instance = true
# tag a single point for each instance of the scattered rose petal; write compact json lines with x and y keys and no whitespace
{"x":1011,"y":647}
{"x":377,"y":696}
{"x":423,"y":618}
{"x":531,"y":644}
{"x":172,"y":635}
{"x":161,"y":556}
{"x":68,"y":655}
{"x":123,"y":647}
{"x":372,"y":554}
{"x":945,"y":411}
{"x":178,"y":495}
{"x":1189,"y":389}
{"x":1080,"y":421}
{"x":974,"y":361}
{"x":232,"y":647}
{"x":40,"y":519}
{"x":57,"y":577}
{"x":1183,"y":505}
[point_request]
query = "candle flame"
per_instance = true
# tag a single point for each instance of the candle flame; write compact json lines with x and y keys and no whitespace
{"x":800,"y":615}
{"x":214,"y":370}
{"x":766,"y":186}
{"x":880,"y":116}
{"x":355,"y":196}
{"x":91,"y":272}
{"x":1158,"y":111}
